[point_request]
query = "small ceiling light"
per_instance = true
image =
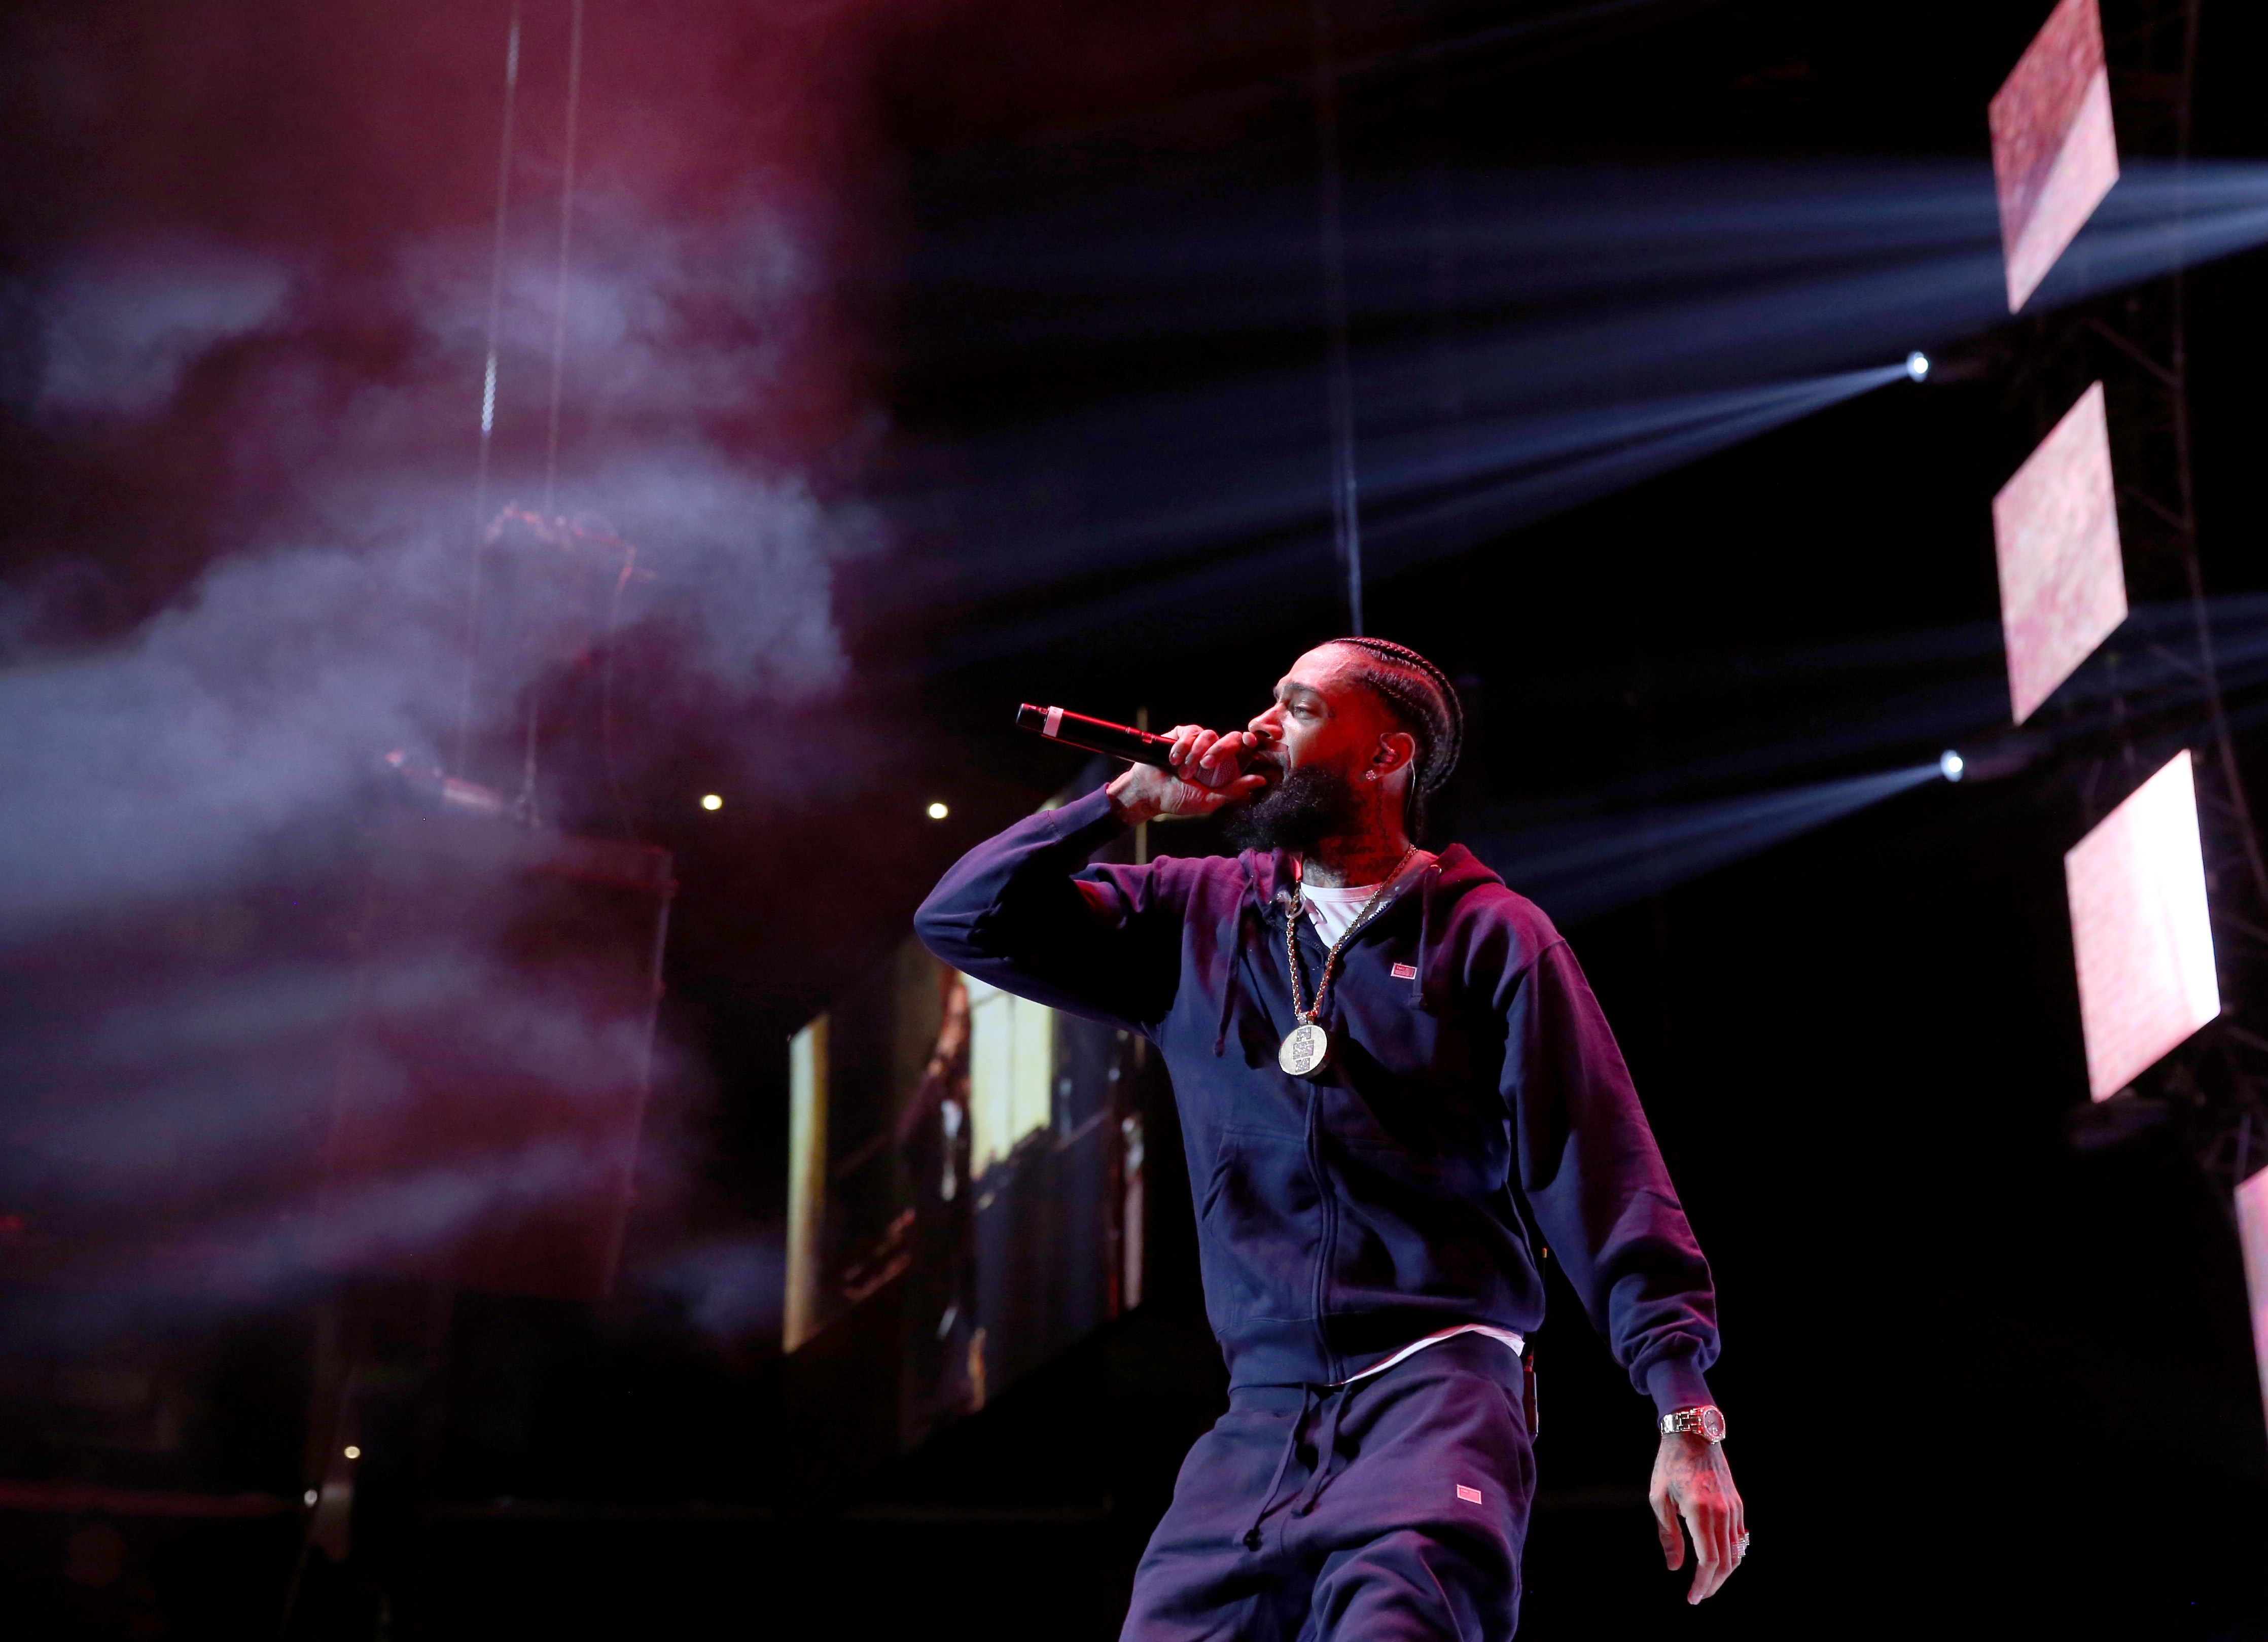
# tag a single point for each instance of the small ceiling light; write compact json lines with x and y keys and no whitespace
{"x":938,"y":812}
{"x":353,"y":1453}
{"x":309,"y":1497}
{"x":1918,"y":365}
{"x":711,"y":801}
{"x":1950,"y":766}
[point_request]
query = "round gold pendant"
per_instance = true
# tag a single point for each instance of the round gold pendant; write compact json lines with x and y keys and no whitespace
{"x":1306,"y":1051}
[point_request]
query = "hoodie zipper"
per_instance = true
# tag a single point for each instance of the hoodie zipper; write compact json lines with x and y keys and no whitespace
{"x":1328,"y":1249}
{"x":1328,"y":1245}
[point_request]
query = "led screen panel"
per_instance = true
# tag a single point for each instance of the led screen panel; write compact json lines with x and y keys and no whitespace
{"x":2054,"y":152}
{"x":1011,"y":1070}
{"x":2055,"y":531}
{"x":2252,"y":1231}
{"x":2140,"y":930}
{"x":969,"y":1167}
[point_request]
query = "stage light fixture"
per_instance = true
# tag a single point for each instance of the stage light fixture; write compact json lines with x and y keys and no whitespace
{"x":938,"y":812}
{"x":711,"y":801}
{"x":308,"y":1497}
{"x":1918,"y":365}
{"x":2054,"y":534}
{"x":1991,"y":759}
{"x":2142,"y":931}
{"x":352,"y":1453}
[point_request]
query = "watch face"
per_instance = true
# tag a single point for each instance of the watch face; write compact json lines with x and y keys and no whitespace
{"x":1713,"y":1424}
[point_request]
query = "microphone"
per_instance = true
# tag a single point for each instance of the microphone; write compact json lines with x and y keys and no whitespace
{"x":1097,"y":735}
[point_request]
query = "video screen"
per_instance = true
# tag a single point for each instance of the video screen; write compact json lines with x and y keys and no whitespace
{"x":2054,"y":532}
{"x":966,"y":1188}
{"x":2055,"y":154}
{"x":2252,"y":1234}
{"x":2140,"y":930}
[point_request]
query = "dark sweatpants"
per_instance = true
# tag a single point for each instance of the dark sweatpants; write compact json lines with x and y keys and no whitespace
{"x":1379,"y":1544}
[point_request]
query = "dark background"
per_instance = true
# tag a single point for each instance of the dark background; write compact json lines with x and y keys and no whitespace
{"x":1978,"y":1378}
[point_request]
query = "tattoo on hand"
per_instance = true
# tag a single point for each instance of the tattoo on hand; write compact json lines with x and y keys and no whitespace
{"x":1693,"y":1493}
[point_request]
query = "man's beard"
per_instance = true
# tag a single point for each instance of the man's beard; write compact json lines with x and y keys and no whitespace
{"x":1313,"y":803}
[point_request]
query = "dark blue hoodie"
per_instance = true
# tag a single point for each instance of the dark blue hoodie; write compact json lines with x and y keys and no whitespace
{"x":1341,"y":1218}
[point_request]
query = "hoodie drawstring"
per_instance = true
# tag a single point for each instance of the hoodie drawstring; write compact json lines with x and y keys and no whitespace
{"x":1251,"y":1535}
{"x":1233,"y":952}
{"x":1330,"y":1402}
{"x":1327,"y":1446}
{"x":1233,"y":955}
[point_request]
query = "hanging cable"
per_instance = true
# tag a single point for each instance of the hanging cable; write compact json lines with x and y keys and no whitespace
{"x":566,"y":238}
{"x":525,"y":808}
{"x":607,"y":695}
{"x":1346,"y":513}
{"x":496,"y":265}
{"x":489,"y":390}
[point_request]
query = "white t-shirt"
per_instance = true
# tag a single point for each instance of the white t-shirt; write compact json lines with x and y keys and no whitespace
{"x":1331,"y":910}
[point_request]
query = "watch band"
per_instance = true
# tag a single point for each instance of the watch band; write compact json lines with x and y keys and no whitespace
{"x":1707,"y":1421}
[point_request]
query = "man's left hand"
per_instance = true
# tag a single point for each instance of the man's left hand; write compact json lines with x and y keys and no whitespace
{"x":1691,"y":1480}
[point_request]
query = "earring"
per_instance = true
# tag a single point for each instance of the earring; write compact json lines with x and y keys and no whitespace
{"x":1370,"y":775}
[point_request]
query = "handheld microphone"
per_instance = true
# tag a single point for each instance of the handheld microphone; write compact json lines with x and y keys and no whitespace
{"x":1097,"y":735}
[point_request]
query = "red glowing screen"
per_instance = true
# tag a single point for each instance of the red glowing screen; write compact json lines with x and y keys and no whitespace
{"x":2140,"y":930}
{"x":2055,"y":528}
{"x":2054,"y":152}
{"x":2252,"y":1231}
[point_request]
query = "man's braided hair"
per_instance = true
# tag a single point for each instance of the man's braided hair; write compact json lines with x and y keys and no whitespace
{"x":1422,"y":700}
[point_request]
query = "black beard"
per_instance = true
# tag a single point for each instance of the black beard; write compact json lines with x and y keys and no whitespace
{"x":1311,"y":804}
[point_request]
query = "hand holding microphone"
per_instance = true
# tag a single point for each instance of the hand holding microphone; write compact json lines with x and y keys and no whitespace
{"x":1207,"y":771}
{"x":1188,"y":771}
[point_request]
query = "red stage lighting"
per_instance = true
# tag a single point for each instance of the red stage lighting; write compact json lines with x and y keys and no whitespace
{"x":2054,"y":153}
{"x":2063,"y":581}
{"x":2140,"y":930}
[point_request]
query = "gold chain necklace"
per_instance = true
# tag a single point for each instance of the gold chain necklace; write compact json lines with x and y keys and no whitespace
{"x":1307,"y":1047}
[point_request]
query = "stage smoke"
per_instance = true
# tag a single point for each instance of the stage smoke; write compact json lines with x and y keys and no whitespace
{"x":252,"y":584}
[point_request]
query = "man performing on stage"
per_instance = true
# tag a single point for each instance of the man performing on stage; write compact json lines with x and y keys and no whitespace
{"x":1379,"y":1056}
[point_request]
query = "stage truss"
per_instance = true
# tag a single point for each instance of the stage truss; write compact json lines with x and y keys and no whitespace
{"x":2160,"y":681}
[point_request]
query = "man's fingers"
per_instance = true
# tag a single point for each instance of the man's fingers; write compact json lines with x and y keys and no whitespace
{"x":1665,"y":1529}
{"x":1223,"y":748}
{"x":1705,"y":1550}
{"x":1711,"y":1551}
{"x":1242,"y":787}
{"x":1713,"y":1536}
{"x":1205,"y":760}
{"x":1195,"y":798}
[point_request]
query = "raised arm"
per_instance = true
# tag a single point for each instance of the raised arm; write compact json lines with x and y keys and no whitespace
{"x":1021,"y":911}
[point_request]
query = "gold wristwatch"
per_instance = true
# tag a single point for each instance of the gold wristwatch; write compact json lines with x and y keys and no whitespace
{"x":1707,"y":1422}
